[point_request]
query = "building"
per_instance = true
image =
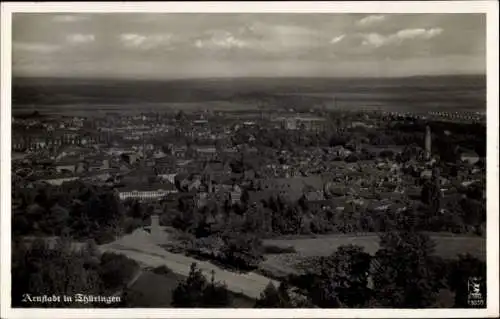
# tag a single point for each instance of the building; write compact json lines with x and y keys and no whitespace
{"x":130,"y":158}
{"x":146,"y":192}
{"x":206,"y":152}
{"x":235,"y":194}
{"x":200,"y":123}
{"x":311,"y":123}
{"x":469,"y":157}
{"x":215,"y":171}
{"x":289,"y":124}
{"x":302,"y":122}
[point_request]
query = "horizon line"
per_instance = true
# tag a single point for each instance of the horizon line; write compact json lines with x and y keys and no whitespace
{"x":56,"y":77}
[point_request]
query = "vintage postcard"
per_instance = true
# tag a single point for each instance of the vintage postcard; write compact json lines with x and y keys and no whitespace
{"x":238,"y":159}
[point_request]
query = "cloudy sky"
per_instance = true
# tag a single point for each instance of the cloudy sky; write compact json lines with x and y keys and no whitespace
{"x":151,"y":45}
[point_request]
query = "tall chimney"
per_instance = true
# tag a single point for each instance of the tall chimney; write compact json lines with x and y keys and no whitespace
{"x":428,"y":143}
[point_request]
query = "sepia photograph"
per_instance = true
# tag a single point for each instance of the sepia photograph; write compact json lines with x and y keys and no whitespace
{"x":231,"y":159}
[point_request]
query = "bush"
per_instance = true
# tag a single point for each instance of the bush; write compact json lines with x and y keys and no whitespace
{"x":162,"y":270}
{"x":105,"y":236}
{"x":242,"y":251}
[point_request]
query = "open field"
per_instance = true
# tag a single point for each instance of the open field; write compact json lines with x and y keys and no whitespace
{"x":447,"y":246}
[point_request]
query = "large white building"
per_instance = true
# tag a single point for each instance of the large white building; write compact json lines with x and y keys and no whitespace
{"x":149,"y":192}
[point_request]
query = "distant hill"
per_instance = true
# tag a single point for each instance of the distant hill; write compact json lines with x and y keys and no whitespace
{"x":465,"y":91}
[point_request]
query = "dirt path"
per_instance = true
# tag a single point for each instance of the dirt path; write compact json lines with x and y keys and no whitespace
{"x":139,"y":247}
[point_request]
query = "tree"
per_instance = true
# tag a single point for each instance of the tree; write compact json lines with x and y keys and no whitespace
{"x":242,"y":251}
{"x":340,"y":280}
{"x":196,"y":292}
{"x":216,"y":295}
{"x":185,"y":218}
{"x":190,"y":292}
{"x":274,"y":298}
{"x":60,"y":271}
{"x":404,"y":276}
{"x":57,"y":219}
{"x":350,"y":271}
{"x":136,"y":210}
{"x":202,"y":228}
{"x":431,"y":194}
{"x":474,"y":211}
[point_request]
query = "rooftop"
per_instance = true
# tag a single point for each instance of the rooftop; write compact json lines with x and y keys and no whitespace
{"x":145,"y":187}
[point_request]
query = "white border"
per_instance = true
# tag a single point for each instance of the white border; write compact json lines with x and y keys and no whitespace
{"x":489,"y":7}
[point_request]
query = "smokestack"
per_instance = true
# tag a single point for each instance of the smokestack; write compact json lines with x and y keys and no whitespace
{"x":428,"y":143}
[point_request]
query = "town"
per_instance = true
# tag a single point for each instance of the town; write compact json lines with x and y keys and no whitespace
{"x":191,"y":185}
{"x":252,"y":159}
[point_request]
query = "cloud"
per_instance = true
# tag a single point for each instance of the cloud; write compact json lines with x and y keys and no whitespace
{"x":278,"y":39}
{"x":44,"y":48}
{"x":280,"y":30}
{"x":337,"y":39}
{"x":378,"y":40}
{"x":79,"y":38}
{"x":144,"y":42}
{"x":69,"y":18}
{"x":220,"y":40}
{"x":375,"y":39}
{"x":370,"y":20}
{"x":419,"y":33}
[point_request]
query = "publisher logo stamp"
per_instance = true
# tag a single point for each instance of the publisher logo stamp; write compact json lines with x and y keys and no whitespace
{"x":475,"y":297}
